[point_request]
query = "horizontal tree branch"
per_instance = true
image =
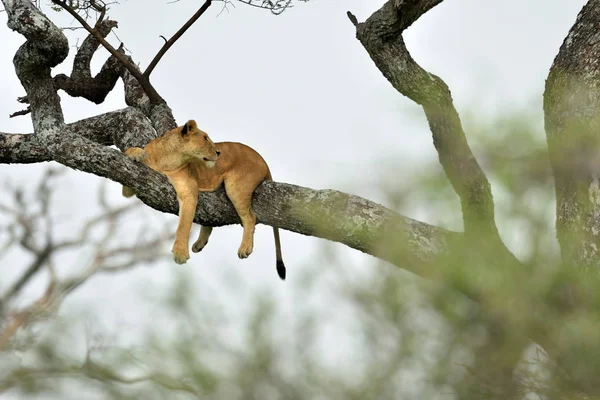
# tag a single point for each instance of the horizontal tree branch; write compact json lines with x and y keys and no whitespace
{"x":95,"y":371}
{"x":356,"y":222}
{"x":124,"y":128}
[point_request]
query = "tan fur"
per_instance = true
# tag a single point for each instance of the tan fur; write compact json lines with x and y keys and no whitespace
{"x":194,"y":163}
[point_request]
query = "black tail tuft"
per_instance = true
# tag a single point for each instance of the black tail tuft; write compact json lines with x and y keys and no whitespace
{"x":281,"y":269}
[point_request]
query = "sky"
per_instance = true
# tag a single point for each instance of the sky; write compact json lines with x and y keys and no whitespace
{"x":301,"y":90}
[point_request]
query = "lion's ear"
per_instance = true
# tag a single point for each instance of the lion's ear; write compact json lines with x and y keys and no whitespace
{"x":190,"y":125}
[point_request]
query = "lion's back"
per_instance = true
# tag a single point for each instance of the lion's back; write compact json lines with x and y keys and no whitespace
{"x":239,"y":156}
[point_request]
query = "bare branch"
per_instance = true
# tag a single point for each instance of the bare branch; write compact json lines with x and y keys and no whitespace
{"x":109,"y":255}
{"x":81,"y":83}
{"x":153,"y":95}
{"x":381,"y":35}
{"x":40,"y":308}
{"x":46,"y":47}
{"x":20,"y":113}
{"x":276,"y":6}
{"x":175,"y":37}
{"x":95,"y":371}
{"x":35,"y":266}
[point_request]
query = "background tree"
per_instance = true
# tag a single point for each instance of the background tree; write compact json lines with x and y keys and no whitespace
{"x":474,"y":263}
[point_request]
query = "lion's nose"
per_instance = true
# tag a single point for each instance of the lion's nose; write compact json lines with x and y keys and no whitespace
{"x":218,"y":153}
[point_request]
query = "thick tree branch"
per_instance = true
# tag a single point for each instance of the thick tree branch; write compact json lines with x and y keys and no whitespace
{"x":381,"y":35}
{"x":351,"y":220}
{"x":46,"y":47}
{"x":124,"y":128}
{"x":572,"y":119}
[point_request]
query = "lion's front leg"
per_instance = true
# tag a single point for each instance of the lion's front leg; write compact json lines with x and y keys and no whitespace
{"x":187,"y":209}
{"x":187,"y":195}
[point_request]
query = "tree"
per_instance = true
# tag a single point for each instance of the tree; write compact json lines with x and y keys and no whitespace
{"x":570,"y":116}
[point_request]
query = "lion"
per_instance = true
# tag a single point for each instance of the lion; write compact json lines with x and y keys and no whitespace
{"x":194,"y":163}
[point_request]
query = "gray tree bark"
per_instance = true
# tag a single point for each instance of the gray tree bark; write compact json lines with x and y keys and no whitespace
{"x":572,"y":119}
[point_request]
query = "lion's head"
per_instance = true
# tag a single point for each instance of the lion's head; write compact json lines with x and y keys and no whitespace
{"x":193,"y":143}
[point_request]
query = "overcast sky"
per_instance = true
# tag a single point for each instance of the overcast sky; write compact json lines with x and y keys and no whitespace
{"x":301,"y":90}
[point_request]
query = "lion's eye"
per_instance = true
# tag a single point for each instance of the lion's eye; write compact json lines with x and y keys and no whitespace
{"x":206,"y":138}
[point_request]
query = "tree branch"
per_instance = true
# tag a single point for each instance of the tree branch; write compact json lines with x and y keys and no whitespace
{"x":46,"y":47}
{"x":124,"y":128}
{"x":95,"y":371}
{"x":81,"y":83}
{"x":21,"y":112}
{"x":351,"y":220}
{"x":36,"y":235}
{"x":153,"y":95}
{"x":175,"y":37}
{"x":381,"y":36}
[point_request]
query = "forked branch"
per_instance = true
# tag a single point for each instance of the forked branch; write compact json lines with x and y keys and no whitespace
{"x":142,"y":78}
{"x":81,"y":83}
{"x":144,"y":82}
{"x":32,"y":227}
{"x":381,"y":35}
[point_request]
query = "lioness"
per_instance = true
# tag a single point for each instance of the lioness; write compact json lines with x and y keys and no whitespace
{"x":194,"y":163}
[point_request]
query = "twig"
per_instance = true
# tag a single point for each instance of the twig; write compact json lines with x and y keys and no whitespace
{"x":35,"y":266}
{"x":175,"y":37}
{"x":352,"y":18}
{"x":19,"y":113}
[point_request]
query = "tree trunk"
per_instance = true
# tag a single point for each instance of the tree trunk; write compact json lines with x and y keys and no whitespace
{"x":572,"y":120}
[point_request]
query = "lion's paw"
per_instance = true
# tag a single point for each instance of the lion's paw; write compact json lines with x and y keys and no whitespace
{"x":180,"y":254}
{"x":245,"y":250}
{"x":136,"y":154}
{"x":198,"y":246}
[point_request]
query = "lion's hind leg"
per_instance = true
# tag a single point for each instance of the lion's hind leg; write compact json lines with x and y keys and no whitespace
{"x":240,"y":192}
{"x":205,"y":232}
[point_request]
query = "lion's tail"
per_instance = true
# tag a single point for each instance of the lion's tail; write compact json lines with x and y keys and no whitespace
{"x":278,"y":257}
